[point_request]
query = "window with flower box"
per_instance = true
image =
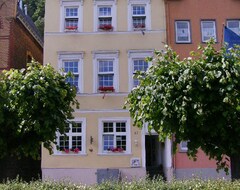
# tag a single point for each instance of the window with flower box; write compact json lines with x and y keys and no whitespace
{"x":139,"y":15}
{"x":234,"y":25}
{"x":208,"y":28}
{"x":106,"y":71}
{"x":72,"y":62}
{"x":182,"y":31}
{"x":137,"y":62}
{"x":74,"y":140}
{"x":114,"y":136}
{"x":71,"y":15}
{"x":105,"y":15}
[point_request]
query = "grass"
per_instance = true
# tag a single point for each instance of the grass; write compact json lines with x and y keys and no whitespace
{"x":144,"y":184}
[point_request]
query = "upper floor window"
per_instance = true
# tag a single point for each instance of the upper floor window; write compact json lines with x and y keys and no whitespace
{"x":139,"y":15}
{"x":208,"y":28}
{"x":74,"y":140}
{"x":137,"y":62}
{"x":72,"y":62}
{"x":106,"y":71}
{"x":182,"y":31}
{"x":234,"y":25}
{"x":183,"y":146}
{"x":71,"y":12}
{"x":114,"y":135}
{"x":105,"y":15}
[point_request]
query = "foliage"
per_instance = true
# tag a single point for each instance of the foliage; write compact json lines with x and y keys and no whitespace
{"x":156,"y":184}
{"x":196,"y":99}
{"x":36,"y":10}
{"x":36,"y":102}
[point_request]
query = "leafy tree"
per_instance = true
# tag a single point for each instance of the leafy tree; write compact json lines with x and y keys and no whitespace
{"x":195,"y":99}
{"x":35,"y":103}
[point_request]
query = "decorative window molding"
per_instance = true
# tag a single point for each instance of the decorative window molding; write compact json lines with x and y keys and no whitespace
{"x":106,"y":69}
{"x":139,"y":15}
{"x":137,"y":58}
{"x":105,"y":15}
{"x":208,"y":29}
{"x":114,"y":136}
{"x":73,"y":62}
{"x":75,"y":141}
{"x":71,"y":15}
{"x":182,"y":31}
{"x":234,"y":25}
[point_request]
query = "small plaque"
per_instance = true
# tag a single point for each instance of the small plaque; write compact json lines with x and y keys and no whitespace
{"x":135,"y":162}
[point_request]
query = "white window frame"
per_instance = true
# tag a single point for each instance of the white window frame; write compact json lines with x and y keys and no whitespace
{"x":133,"y":55}
{"x":71,"y":4}
{"x":147,"y":4}
{"x":236,"y":30}
{"x":74,"y":56}
{"x":105,"y":3}
{"x":106,"y":55}
{"x":83,"y":140}
{"x":100,"y":135}
{"x":214,"y":30}
{"x":182,"y":147}
{"x":188,"y":30}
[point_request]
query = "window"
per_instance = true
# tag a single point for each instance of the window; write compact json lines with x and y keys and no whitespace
{"x":183,"y":34}
{"x":234,"y":25}
{"x":114,"y":136}
{"x":183,"y":146}
{"x":72,"y":62}
{"x":71,"y":15}
{"x":106,"y":71}
{"x":208,"y":28}
{"x":105,"y":15}
{"x":139,"y":15}
{"x":137,"y":62}
{"x":74,"y":141}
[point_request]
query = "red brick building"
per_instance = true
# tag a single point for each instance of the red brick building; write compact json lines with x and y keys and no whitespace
{"x":189,"y":24}
{"x":20,"y":40}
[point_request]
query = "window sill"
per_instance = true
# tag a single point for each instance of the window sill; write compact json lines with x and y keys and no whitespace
{"x":66,"y":30}
{"x":114,"y":154}
{"x":69,"y":154}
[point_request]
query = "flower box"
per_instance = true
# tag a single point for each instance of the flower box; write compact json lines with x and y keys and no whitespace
{"x":106,"y":89}
{"x":139,"y":26}
{"x":71,"y":27}
{"x":116,"y":150}
{"x":68,"y":151}
{"x":106,"y":27}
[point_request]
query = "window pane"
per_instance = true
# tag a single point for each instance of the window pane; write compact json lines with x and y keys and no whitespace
{"x":105,"y":65}
{"x":234,"y":25}
{"x":73,"y":81}
{"x":71,"y":66}
{"x":105,"y":21}
{"x":107,"y":127}
{"x":139,"y":22}
{"x":208,"y":30}
{"x":121,"y":142}
{"x":77,"y":127}
{"x":71,"y":12}
{"x":77,"y":142}
{"x":105,"y":11}
{"x":105,"y":80}
{"x":108,"y":142}
{"x":140,"y":65}
{"x":138,"y":10}
{"x":63,"y":142}
{"x":120,"y":127}
{"x":71,"y":23}
{"x":182,"y":32}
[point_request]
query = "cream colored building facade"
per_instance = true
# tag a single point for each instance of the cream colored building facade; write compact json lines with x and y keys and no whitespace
{"x":103,"y":42}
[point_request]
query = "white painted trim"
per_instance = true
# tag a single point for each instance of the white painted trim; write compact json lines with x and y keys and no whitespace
{"x":147,"y":4}
{"x":143,"y":147}
{"x":109,"y":3}
{"x":71,"y":3}
{"x":83,"y":152}
{"x":98,"y":55}
{"x":63,"y":55}
{"x":136,"y":54}
{"x":128,"y":134}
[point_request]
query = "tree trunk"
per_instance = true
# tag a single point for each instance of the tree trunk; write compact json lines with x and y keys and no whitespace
{"x":235,"y":166}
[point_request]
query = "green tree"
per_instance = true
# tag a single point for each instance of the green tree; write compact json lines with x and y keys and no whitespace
{"x":35,"y":103}
{"x":195,"y":99}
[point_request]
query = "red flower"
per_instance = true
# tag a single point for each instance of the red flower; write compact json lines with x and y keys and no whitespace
{"x":106,"y":88}
{"x":66,"y":150}
{"x":105,"y":27}
{"x":76,"y":150}
{"x":71,"y":27}
{"x":139,"y":26}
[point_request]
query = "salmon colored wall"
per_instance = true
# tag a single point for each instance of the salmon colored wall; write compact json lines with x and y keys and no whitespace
{"x":195,"y":11}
